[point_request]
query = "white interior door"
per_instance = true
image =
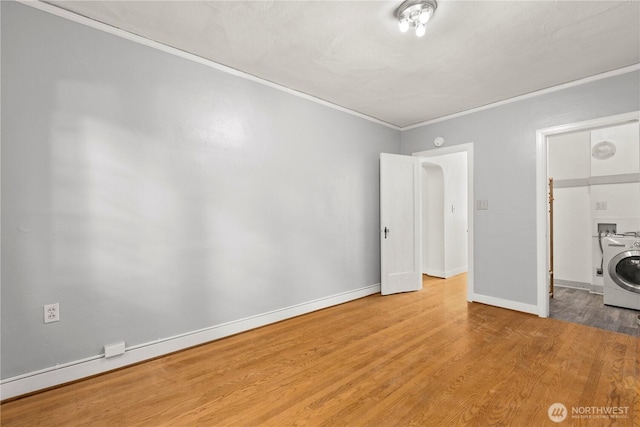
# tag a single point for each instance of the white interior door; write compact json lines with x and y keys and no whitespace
{"x":400,"y":223}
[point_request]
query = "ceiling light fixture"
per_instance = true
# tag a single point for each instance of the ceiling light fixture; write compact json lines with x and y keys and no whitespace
{"x":415,"y":13}
{"x":603,"y":150}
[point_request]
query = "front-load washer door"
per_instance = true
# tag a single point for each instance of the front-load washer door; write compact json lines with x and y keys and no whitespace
{"x":624,"y":270}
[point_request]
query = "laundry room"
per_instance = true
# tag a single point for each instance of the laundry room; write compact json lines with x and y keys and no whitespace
{"x":596,"y":197}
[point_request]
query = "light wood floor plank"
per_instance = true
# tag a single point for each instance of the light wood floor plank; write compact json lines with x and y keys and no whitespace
{"x":425,"y":358}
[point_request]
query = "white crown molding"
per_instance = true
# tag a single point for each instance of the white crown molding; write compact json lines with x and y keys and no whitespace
{"x":601,"y":76}
{"x":54,"y":10}
{"x":83,"y":20}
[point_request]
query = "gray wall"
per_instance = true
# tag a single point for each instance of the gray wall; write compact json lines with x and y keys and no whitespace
{"x":505,"y":173}
{"x":152,"y":196}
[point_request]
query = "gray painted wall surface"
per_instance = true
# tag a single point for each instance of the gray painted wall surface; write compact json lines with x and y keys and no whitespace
{"x":152,"y":196}
{"x":505,"y":173}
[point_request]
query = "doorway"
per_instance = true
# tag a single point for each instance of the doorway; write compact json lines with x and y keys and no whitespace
{"x":448,"y":219}
{"x":543,"y":137}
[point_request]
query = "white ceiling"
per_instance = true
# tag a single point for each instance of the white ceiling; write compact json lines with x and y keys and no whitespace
{"x":351,"y":53}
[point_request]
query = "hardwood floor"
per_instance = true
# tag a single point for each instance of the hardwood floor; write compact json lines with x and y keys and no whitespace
{"x":425,"y":358}
{"x":580,"y":306}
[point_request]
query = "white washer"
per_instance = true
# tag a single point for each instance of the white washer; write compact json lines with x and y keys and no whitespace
{"x":622,"y":271}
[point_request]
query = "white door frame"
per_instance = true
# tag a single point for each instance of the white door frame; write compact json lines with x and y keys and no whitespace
{"x":542,"y":219}
{"x":468,"y":148}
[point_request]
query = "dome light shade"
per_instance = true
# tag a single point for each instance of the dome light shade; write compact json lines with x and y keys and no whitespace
{"x":603,"y":150}
{"x":425,"y":14}
{"x":404,"y":25}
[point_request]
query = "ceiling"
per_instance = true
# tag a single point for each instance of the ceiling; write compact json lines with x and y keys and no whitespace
{"x":351,"y":53}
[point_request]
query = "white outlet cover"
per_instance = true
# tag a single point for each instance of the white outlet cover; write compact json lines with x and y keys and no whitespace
{"x":116,"y":349}
{"x":51,"y":313}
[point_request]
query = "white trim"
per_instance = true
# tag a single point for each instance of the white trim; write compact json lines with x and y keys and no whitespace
{"x":54,"y":10}
{"x":444,"y":274}
{"x":468,"y":148}
{"x":591,"y":288}
{"x":79,"y":369}
{"x":456,"y":271}
{"x":612,"y":73}
{"x":505,"y":303}
{"x":571,"y":284}
{"x":434,"y":273}
{"x":542,"y":242}
{"x":83,"y":20}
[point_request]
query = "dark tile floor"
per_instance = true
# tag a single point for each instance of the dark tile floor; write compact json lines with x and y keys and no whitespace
{"x":580,"y":306}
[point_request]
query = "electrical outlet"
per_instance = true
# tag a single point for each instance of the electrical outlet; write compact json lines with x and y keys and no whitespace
{"x":51,"y":313}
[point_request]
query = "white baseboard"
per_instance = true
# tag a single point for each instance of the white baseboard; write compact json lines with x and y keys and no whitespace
{"x":571,"y":283}
{"x":445,"y":274}
{"x":434,"y":273}
{"x":503,"y":303}
{"x":79,"y":369}
{"x":592,"y":288}
{"x":456,"y":271}
{"x":597,"y":289}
